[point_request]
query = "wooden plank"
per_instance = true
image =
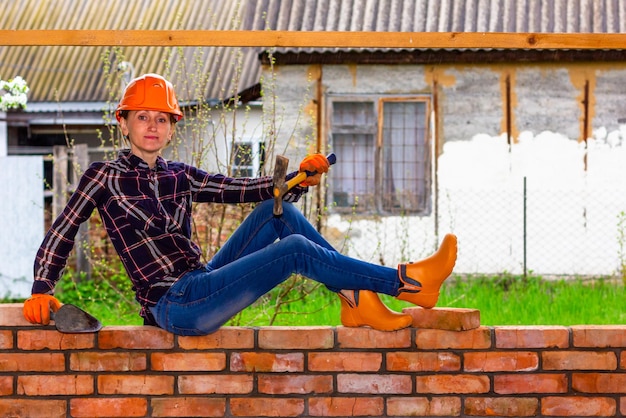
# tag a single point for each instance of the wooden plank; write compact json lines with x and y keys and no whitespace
{"x":313,"y":39}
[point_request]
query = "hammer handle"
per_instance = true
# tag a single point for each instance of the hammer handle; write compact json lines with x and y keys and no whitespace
{"x":299,"y":178}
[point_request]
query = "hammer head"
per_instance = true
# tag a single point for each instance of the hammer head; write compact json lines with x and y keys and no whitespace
{"x":280,"y":185}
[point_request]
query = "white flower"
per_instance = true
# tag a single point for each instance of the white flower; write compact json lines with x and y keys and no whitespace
{"x":14,"y":96}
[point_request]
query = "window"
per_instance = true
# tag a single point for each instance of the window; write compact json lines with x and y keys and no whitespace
{"x":248,"y":157}
{"x":383,"y":155}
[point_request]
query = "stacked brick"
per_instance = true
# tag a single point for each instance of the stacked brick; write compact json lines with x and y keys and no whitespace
{"x":457,"y":368}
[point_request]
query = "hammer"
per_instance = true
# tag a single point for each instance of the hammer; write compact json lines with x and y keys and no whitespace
{"x":281,"y":186}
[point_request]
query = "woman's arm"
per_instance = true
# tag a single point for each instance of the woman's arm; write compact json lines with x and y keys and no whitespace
{"x":218,"y":188}
{"x":52,"y":255}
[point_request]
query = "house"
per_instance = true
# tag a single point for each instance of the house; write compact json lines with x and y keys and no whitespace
{"x":513,"y":150}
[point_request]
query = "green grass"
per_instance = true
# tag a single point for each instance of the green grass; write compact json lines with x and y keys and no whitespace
{"x":514,"y":301}
{"x":505,"y":300}
{"x":502,"y":300}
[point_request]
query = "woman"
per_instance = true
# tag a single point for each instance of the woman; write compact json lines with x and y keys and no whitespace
{"x":145,"y":206}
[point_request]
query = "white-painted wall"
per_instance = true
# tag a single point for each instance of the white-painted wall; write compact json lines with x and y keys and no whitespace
{"x":21,"y":222}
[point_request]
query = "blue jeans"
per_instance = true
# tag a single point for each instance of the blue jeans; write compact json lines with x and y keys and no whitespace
{"x":263,"y":252}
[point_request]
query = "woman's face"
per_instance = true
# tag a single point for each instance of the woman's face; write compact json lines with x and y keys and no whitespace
{"x":149,"y":131}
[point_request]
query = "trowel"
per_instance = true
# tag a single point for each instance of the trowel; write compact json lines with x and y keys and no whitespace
{"x":70,"y":319}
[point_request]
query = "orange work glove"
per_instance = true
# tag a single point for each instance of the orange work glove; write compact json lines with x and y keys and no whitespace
{"x":314,"y":163}
{"x":37,"y":308}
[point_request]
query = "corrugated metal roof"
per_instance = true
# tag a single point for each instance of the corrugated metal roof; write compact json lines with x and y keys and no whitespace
{"x":60,"y":73}
{"x":78,"y":74}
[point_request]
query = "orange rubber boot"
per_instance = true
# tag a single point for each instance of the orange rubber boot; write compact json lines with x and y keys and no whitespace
{"x":420,"y":281}
{"x":364,"y":308}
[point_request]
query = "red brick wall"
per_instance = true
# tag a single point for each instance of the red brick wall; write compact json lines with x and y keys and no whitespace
{"x":312,"y":371}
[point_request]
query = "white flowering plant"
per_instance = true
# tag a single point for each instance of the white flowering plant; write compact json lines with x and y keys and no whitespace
{"x":13,"y":94}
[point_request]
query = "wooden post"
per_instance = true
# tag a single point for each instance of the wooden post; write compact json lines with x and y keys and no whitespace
{"x":80,"y":161}
{"x":65,"y":182}
{"x":59,"y":180}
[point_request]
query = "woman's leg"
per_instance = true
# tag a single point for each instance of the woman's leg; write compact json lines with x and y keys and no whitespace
{"x":261,"y":228}
{"x":202,"y":301}
{"x":252,"y":262}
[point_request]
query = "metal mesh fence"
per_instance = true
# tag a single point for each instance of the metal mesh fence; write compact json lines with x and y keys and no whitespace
{"x":532,"y":229}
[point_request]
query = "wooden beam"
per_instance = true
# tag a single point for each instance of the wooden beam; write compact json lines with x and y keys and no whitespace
{"x":296,"y":39}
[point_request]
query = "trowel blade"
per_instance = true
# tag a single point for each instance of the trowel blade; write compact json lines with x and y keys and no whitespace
{"x":71,"y":319}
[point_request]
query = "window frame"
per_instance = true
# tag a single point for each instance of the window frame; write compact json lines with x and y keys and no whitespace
{"x":378,"y":102}
{"x":257,"y":155}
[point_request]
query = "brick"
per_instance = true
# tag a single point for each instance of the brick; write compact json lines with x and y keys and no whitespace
{"x":215,"y":384}
{"x":599,"y":336}
{"x":188,"y":361}
{"x":532,"y":337}
{"x":346,"y":407}
{"x":236,"y":338}
{"x":374,"y":383}
{"x":599,"y":382}
{"x":108,"y":407}
{"x":416,"y":406}
{"x":300,"y":384}
{"x":187,"y":407}
{"x":451,"y":319}
{"x":578,"y":406}
{"x":296,"y":338}
{"x":578,"y":360}
{"x":32,"y":362}
{"x":47,"y":385}
{"x":135,"y":337}
{"x":93,"y":361}
{"x":502,"y":407}
{"x":6,"y":385}
{"x":33,"y":408}
{"x":434,"y":339}
{"x":266,"y":407}
{"x":267,"y":362}
{"x":127,"y":384}
{"x":416,"y":380}
{"x":423,"y":362}
{"x":361,"y":337}
{"x":12,"y":315}
{"x":508,"y":384}
{"x":39,"y":339}
{"x":500,"y":361}
{"x":452,"y":383}
{"x":344,"y":362}
{"x":6,"y":339}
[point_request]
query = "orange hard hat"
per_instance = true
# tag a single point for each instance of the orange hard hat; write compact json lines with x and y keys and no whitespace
{"x":150,"y":92}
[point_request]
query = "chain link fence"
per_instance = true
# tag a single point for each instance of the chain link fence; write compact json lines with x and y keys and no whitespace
{"x":529,"y":228}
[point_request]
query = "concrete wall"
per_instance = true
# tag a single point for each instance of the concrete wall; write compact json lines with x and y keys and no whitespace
{"x":575,"y":191}
{"x":313,"y":371}
{"x":207,"y":143}
{"x":290,"y":108}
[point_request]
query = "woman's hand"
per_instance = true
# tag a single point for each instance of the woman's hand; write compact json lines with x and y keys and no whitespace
{"x":37,"y":308}
{"x":314,"y":163}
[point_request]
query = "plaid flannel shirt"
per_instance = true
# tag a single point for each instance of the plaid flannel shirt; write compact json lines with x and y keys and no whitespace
{"x":147,"y":215}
